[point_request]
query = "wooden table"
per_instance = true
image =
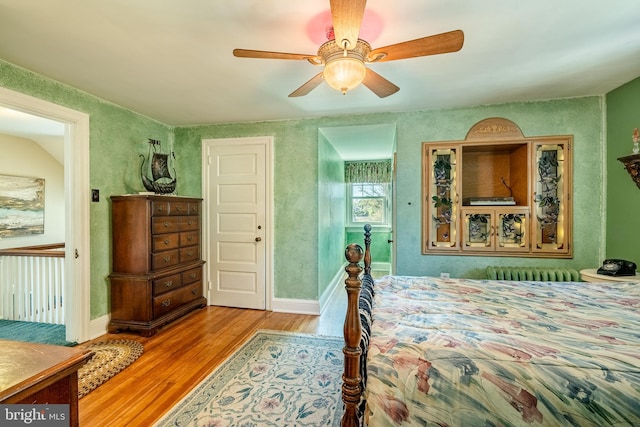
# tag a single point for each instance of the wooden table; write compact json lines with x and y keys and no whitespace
{"x":41,"y":374}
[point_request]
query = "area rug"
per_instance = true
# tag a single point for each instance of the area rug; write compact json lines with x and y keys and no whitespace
{"x":42,"y":333}
{"x":109,"y":358}
{"x":275,"y":379}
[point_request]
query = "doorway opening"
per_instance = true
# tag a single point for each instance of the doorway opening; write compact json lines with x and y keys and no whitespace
{"x":341,"y":204}
{"x":75,"y":127}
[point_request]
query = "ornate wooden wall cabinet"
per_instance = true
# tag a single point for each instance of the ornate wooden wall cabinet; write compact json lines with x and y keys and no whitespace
{"x":498,"y":193}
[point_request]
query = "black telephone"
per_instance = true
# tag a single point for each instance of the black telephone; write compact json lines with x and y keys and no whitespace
{"x":617,"y":267}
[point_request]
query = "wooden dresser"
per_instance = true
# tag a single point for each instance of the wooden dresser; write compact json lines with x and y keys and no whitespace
{"x":157,"y":270}
{"x":37,"y":374}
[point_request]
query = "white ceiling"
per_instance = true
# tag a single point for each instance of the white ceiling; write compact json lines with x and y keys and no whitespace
{"x":49,"y":134}
{"x":378,"y":141}
{"x":172,"y":60}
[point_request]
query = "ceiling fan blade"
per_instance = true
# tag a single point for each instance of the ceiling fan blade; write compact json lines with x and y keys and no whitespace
{"x":313,"y":83}
{"x":248,"y":53}
{"x":430,"y":45}
{"x":378,"y":84}
{"x":347,"y":19}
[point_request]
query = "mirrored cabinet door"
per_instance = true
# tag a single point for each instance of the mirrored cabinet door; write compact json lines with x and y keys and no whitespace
{"x":551,"y":197}
{"x":513,"y":230}
{"x":478,"y":230}
{"x":441,"y":176}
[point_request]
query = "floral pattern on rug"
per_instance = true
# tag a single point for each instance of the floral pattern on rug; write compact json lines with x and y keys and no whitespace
{"x":275,"y":379}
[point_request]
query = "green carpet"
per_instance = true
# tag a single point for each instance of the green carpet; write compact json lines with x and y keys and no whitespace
{"x":44,"y":333}
{"x":275,"y":379}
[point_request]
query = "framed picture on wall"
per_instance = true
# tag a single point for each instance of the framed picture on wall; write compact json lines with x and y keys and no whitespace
{"x":21,"y":206}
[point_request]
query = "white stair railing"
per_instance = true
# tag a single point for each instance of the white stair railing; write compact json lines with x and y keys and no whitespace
{"x":32,"y":284}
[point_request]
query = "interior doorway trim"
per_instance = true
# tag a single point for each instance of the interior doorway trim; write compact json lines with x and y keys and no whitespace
{"x":76,"y":185}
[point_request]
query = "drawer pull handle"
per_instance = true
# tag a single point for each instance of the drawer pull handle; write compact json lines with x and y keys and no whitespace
{"x":166,"y":303}
{"x":166,"y":224}
{"x":169,"y":284}
{"x":190,"y":238}
{"x":190,"y":222}
{"x":178,"y":208}
{"x":166,"y":258}
{"x":166,"y":241}
{"x":192,"y":275}
{"x":190,"y":254}
{"x":194,"y":291}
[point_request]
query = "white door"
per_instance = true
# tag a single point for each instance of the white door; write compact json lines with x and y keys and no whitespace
{"x":236,"y":221}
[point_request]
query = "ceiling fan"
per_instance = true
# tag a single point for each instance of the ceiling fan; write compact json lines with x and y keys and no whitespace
{"x":344,"y":55}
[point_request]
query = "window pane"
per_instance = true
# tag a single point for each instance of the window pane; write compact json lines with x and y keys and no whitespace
{"x":368,"y":210}
{"x":368,"y":190}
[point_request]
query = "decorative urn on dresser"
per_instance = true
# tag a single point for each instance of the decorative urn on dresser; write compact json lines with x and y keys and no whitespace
{"x":157,"y":270}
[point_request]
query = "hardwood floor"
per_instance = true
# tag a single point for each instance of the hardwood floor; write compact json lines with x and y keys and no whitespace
{"x":183,"y":353}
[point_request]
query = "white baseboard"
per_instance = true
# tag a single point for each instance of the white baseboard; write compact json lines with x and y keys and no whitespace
{"x":99,"y":326}
{"x":296,"y":306}
{"x":381,"y":266}
{"x":303,"y":306}
{"x":336,"y":282}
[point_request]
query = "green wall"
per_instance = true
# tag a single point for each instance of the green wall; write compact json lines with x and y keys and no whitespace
{"x":380,"y":247}
{"x":118,"y":136}
{"x":296,"y":183}
{"x":580,"y":117}
{"x":331,"y":212}
{"x":623,"y":196}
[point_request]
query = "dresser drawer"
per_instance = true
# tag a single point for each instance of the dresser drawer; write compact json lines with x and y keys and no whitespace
{"x":190,"y":253}
{"x":189,"y":238}
{"x":159,"y":208}
{"x":194,"y":208}
{"x":163,"y":242}
{"x":165,"y":259}
{"x":169,"y":301}
{"x":165,"y":224}
{"x":190,"y":276}
{"x":167,"y":283}
{"x":178,"y":208}
{"x":189,"y":223}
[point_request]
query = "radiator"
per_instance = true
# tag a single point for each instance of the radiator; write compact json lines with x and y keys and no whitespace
{"x":32,"y":289}
{"x":544,"y":274}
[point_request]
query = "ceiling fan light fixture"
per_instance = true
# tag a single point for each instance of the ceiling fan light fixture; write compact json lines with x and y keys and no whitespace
{"x":344,"y":62}
{"x":344,"y":69}
{"x":344,"y":74}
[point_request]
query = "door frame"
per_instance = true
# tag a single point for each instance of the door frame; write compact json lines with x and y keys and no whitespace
{"x":76,"y":184}
{"x":267,"y":141}
{"x":394,"y":199}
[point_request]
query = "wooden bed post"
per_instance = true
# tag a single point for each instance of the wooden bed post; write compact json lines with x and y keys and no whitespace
{"x":367,"y":249}
{"x":351,"y":380}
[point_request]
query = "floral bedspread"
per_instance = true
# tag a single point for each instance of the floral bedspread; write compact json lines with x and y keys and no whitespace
{"x":460,"y":352}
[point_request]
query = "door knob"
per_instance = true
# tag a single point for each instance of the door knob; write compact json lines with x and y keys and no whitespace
{"x":258,"y":239}
{"x":389,"y":241}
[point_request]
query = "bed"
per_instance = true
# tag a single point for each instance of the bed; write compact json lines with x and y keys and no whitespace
{"x":426,"y":351}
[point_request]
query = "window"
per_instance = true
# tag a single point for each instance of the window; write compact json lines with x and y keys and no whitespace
{"x":368,"y":192}
{"x":369,"y":203}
